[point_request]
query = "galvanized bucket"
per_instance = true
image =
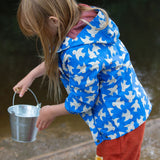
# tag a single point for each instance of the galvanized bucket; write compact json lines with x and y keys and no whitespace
{"x":23,"y":119}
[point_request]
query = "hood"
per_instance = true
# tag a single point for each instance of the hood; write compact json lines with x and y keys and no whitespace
{"x":90,"y":34}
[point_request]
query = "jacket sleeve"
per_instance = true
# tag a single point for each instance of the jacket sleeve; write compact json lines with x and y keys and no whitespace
{"x":83,"y":73}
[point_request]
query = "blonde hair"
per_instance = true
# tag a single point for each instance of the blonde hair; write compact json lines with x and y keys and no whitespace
{"x":33,"y":18}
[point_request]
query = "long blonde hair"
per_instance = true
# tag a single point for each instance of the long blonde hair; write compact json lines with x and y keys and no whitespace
{"x":33,"y":16}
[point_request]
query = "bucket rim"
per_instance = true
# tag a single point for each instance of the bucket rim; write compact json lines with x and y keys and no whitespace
{"x":38,"y":108}
{"x":23,"y":105}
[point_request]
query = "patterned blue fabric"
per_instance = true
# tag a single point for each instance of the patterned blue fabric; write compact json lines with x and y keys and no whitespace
{"x":101,"y":83}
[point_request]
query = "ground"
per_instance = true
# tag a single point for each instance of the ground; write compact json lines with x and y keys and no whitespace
{"x":75,"y":146}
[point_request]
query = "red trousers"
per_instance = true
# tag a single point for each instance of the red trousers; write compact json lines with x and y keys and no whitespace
{"x":127,"y":147}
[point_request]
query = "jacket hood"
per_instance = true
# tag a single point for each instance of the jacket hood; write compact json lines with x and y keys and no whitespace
{"x":90,"y":34}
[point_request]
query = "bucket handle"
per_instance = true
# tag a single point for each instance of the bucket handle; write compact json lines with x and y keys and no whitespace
{"x":32,"y":94}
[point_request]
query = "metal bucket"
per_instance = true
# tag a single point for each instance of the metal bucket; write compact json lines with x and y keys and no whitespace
{"x":23,"y":119}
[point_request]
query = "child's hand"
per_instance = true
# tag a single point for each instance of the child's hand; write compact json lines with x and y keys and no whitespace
{"x":22,"y":86}
{"x":46,"y":117}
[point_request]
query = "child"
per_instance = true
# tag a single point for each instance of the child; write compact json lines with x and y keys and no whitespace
{"x":81,"y":45}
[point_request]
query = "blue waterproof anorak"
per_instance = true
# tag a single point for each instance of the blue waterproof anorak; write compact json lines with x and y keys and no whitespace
{"x":101,"y":83}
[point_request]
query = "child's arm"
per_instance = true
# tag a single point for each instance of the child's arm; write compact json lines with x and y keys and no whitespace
{"x":26,"y":82}
{"x":48,"y":114}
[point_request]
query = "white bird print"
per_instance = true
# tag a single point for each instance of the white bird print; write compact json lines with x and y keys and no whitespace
{"x":81,"y":99}
{"x":130,"y":97}
{"x":105,"y":71}
{"x":118,"y":65}
{"x":113,"y":136}
{"x":102,"y":23}
{"x":89,"y":82}
{"x":140,"y":121}
{"x":91,"y":54}
{"x":135,"y":106}
{"x":66,"y":56}
{"x":91,"y":98}
{"x":87,"y":113}
{"x":113,"y":52}
{"x":95,"y":65}
{"x":128,"y":64}
{"x":124,"y":85}
{"x":116,"y":122}
{"x":127,"y":115}
{"x":92,"y":31}
{"x":98,"y":101}
{"x":66,"y":42}
{"x":75,"y":104}
{"x":101,"y":41}
{"x":78,"y":53}
{"x":99,"y":129}
{"x":130,"y":126}
{"x":94,"y":135}
{"x":78,"y":79}
{"x":103,"y":97}
{"x":101,"y":86}
{"x":118,"y":103}
{"x":90,"y":123}
{"x":122,"y":57}
{"x":119,"y":73}
{"x":70,"y":68}
{"x":116,"y":33}
{"x":111,"y":32}
{"x":95,"y":49}
{"x":85,"y":109}
{"x":147,"y":112}
{"x":137,"y":91}
{"x":110,"y":23}
{"x":68,"y":89}
{"x":143,"y":101}
{"x":76,"y":39}
{"x":103,"y":65}
{"x":137,"y":82}
{"x":76,"y":89}
{"x":90,"y":90}
{"x":108,"y":60}
{"x":150,"y":105}
{"x":110,"y":127}
{"x":122,"y":47}
{"x":82,"y":68}
{"x":131,"y":74}
{"x":86,"y":40}
{"x":113,"y":90}
{"x":101,"y":15}
{"x":101,"y":114}
{"x":110,"y":111}
{"x":110,"y":81}
{"x":121,"y":133}
{"x":95,"y":118}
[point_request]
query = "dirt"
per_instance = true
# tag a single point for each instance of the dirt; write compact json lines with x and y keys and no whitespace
{"x":76,"y":146}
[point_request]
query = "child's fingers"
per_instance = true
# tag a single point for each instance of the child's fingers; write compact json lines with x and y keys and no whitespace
{"x":47,"y":124}
{"x":17,"y":89}
{"x":41,"y":125}
{"x":22,"y":92}
{"x":38,"y":123}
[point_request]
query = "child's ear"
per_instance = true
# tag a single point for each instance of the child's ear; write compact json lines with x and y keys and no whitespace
{"x":54,"y":20}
